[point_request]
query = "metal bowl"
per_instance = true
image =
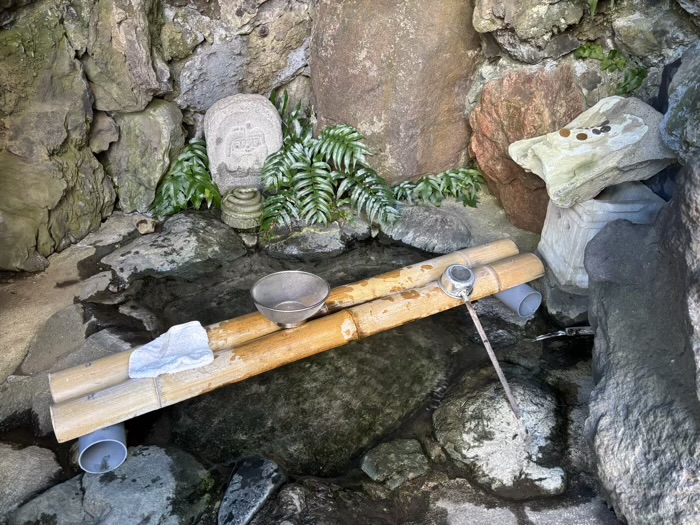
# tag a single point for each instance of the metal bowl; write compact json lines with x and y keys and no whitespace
{"x":289,"y":298}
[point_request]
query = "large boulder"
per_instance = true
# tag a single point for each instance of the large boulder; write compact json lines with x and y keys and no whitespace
{"x":681,"y":122}
{"x":123,"y":74}
{"x":153,"y":485}
{"x":615,"y":141}
{"x":684,"y":243}
{"x":23,"y":473}
{"x":189,"y":243}
{"x":389,"y":55}
{"x":148,"y":140}
{"x":644,"y":409}
{"x":521,"y":104}
{"x":476,"y":426}
{"x":53,"y":191}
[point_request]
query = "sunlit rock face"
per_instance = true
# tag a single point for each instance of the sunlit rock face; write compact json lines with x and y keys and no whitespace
{"x":397,"y":71}
{"x":617,"y":140}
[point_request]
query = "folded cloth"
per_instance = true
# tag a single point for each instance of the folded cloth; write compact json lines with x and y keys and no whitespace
{"x":183,"y":347}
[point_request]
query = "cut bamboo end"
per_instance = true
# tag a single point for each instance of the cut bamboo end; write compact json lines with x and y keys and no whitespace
{"x":113,"y":370}
{"x":133,"y":397}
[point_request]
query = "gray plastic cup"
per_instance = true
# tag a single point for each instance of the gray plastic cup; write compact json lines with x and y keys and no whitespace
{"x":103,"y":450}
{"x":523,"y":299}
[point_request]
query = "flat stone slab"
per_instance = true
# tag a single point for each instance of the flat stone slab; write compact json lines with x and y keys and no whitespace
{"x":617,"y":140}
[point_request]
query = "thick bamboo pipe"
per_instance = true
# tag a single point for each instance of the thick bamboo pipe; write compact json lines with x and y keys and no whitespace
{"x":112,"y":370}
{"x":133,"y":397}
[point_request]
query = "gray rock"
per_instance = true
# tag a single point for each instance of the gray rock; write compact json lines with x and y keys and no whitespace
{"x":103,"y":132}
{"x":592,"y":512}
{"x":154,"y":485}
{"x":563,"y":306}
{"x":321,"y":503}
{"x":63,"y":333}
{"x":533,"y":52}
{"x":100,"y":344}
{"x":476,"y":426}
{"x":215,"y":71}
{"x":23,"y":473}
{"x":148,"y":141}
{"x":62,"y":505}
{"x":529,"y":31}
{"x":615,"y":141}
{"x":679,"y":128}
{"x":529,"y":19}
{"x":692,"y":7}
{"x":436,"y":230}
{"x":183,"y":29}
{"x":311,"y":243}
{"x":644,"y":407}
{"x":574,"y":385}
{"x":118,"y":62}
{"x":253,"y":482}
{"x":25,"y":401}
{"x":189,"y":242}
{"x":282,"y":413}
{"x":395,"y":462}
{"x":682,"y":240}
{"x":655,"y":33}
{"x":53,"y":191}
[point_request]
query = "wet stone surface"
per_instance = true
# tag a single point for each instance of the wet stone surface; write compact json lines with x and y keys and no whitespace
{"x":253,"y":481}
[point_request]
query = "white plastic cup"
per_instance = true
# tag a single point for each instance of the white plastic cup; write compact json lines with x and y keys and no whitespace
{"x":103,"y":450}
{"x":523,"y":299}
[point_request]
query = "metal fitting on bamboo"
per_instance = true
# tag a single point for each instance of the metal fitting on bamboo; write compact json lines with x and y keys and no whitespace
{"x":133,"y":397}
{"x":112,"y":370}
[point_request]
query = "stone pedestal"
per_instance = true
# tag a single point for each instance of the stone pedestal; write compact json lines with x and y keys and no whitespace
{"x":567,"y":231}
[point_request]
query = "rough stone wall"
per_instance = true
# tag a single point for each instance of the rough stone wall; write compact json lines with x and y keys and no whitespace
{"x":432,"y":84}
{"x":75,"y":76}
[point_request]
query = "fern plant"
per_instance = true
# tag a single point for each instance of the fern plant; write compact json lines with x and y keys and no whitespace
{"x":311,"y":178}
{"x":187,"y":184}
{"x":462,"y":184}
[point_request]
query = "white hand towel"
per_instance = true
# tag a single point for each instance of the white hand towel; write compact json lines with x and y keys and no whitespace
{"x":183,"y":347}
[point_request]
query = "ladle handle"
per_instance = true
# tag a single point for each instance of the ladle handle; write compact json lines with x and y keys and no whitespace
{"x":492,"y":356}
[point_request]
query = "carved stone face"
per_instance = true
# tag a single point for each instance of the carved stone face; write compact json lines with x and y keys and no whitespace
{"x":246,"y":148}
{"x":242,"y":131}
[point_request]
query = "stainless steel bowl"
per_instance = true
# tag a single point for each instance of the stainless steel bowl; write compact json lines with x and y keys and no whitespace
{"x":457,"y":281}
{"x":289,"y":298}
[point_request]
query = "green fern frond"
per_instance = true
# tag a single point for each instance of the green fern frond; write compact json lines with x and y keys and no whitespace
{"x":343,"y":146}
{"x":371,"y":194}
{"x":313,"y":189}
{"x":462,"y":184}
{"x":279,"y":209}
{"x":188,"y":183}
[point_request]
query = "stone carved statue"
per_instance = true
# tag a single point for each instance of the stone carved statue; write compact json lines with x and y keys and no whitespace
{"x":241,"y":131}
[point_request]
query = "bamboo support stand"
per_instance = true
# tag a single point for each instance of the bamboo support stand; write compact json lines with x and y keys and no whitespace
{"x":113,"y":370}
{"x":133,"y":397}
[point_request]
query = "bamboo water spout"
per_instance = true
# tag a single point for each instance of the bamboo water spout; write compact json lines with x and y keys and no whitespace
{"x":113,"y":370}
{"x":133,"y":397}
